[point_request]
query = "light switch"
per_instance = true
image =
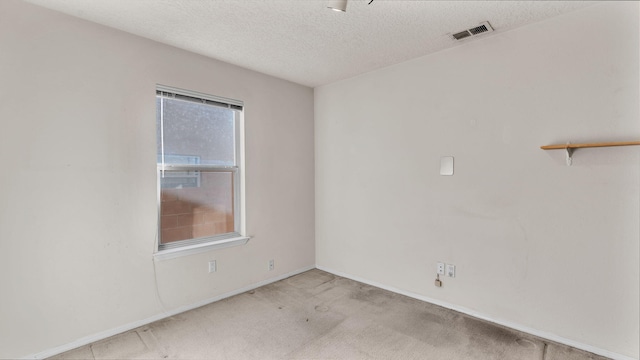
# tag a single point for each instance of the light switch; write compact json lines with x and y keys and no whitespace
{"x":446,"y":165}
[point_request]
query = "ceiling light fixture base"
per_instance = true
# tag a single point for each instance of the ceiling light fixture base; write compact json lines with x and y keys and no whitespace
{"x":338,"y":5}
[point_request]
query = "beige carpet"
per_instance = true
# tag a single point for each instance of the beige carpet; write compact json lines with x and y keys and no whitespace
{"x":316,"y":315}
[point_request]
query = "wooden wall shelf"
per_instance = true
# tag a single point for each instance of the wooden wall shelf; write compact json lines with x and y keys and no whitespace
{"x":571,"y":147}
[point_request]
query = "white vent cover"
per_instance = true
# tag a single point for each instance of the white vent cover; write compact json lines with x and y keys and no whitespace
{"x":484,"y":27}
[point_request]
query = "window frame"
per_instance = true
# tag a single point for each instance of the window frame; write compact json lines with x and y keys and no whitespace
{"x":237,"y":236}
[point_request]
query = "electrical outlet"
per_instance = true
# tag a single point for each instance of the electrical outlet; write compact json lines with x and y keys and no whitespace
{"x":440,"y":268}
{"x":451,"y":270}
{"x":212,"y":266}
{"x":271,"y":265}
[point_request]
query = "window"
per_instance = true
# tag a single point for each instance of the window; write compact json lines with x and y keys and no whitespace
{"x":198,"y":162}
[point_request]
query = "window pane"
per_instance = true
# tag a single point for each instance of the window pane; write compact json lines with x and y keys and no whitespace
{"x":193,"y":130}
{"x":196,"y":212}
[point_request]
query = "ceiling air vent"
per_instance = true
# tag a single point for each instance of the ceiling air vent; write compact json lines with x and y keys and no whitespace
{"x":480,"y":29}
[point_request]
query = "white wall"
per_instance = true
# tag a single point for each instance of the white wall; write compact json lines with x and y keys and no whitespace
{"x":78,"y":187}
{"x":536,"y":243}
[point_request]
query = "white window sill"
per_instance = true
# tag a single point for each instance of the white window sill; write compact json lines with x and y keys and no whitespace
{"x":198,"y":248}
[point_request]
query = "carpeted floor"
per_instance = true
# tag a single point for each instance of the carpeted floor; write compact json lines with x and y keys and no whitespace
{"x":316,"y":315}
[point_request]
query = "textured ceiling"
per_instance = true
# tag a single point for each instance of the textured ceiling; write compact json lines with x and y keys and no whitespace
{"x":303,"y":41}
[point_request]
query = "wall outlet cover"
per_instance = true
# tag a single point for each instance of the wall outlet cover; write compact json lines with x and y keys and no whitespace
{"x":446,"y":165}
{"x":451,"y":270}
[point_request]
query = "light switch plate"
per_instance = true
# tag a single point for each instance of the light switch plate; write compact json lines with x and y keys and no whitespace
{"x":446,"y":165}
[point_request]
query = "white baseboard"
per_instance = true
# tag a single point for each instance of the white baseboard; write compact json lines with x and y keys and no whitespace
{"x":130,"y":326}
{"x":535,"y":332}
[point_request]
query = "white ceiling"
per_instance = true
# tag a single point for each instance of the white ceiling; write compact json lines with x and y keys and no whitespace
{"x":303,"y":41}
